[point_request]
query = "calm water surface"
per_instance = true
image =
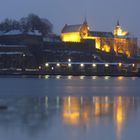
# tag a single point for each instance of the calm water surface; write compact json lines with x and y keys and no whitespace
{"x":70,"y":108}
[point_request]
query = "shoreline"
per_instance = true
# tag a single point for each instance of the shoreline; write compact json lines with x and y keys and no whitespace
{"x":15,"y":73}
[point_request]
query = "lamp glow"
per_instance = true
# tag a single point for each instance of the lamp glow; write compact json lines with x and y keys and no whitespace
{"x":94,"y":65}
{"x":69,"y":60}
{"x":81,"y":65}
{"x":58,"y":65}
{"x":46,"y":64}
{"x":106,"y":65}
{"x":69,"y":65}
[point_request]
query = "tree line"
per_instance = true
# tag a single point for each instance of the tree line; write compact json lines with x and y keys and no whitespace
{"x":27,"y":24}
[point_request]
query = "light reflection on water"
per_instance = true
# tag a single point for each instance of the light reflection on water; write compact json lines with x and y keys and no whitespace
{"x":39,"y":116}
{"x":69,"y":107}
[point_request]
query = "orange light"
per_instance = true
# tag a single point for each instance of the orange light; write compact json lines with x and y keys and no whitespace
{"x":120,"y":78}
{"x":120,"y":64}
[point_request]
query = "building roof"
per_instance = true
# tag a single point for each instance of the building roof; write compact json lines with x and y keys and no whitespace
{"x":101,"y":34}
{"x":71,"y":28}
{"x":18,"y":32}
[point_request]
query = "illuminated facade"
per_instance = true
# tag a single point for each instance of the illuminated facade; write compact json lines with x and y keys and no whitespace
{"x":74,"y":33}
{"x":118,"y":31}
{"x":119,"y":41}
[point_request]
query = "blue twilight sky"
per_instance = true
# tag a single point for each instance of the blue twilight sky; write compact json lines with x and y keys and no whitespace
{"x":102,"y":15}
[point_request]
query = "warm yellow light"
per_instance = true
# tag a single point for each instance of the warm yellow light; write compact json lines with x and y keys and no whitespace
{"x":81,"y":65}
{"x":118,"y":31}
{"x":69,"y":77}
{"x":71,"y":37}
{"x":106,"y":48}
{"x":94,"y":65}
{"x":58,"y":65}
{"x":94,"y":77}
{"x":82,"y":77}
{"x":97,"y":41}
{"x":121,"y":45}
{"x":69,"y":65}
{"x":97,"y":106}
{"x":105,"y":105}
{"x":120,"y":78}
{"x":120,"y":64}
{"x":119,"y":110}
{"x":46,"y":64}
{"x":71,"y":110}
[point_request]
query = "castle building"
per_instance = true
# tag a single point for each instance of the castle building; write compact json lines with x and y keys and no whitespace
{"x":74,"y":33}
{"x":117,"y":41}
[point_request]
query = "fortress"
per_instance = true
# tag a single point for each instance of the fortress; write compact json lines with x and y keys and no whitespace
{"x":76,"y":51}
{"x":118,"y":41}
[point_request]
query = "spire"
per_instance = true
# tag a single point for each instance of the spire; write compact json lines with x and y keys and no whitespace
{"x":85,"y":21}
{"x":118,"y":23}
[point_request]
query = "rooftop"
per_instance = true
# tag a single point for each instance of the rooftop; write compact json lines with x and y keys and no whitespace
{"x":71,"y":28}
{"x":101,"y":34}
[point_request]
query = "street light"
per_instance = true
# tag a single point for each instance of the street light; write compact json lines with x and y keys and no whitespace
{"x":106,"y":65}
{"x":24,"y":55}
{"x":46,"y":64}
{"x":58,"y":65}
{"x":120,"y":64}
{"x":69,"y":60}
{"x":69,"y":65}
{"x":81,"y":65}
{"x":94,"y":65}
{"x":133,"y":65}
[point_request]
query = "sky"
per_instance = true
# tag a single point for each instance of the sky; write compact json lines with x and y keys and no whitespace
{"x":102,"y":15}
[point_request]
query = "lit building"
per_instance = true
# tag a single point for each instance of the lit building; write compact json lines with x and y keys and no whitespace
{"x":118,"y":31}
{"x":119,"y":41}
{"x":74,"y":33}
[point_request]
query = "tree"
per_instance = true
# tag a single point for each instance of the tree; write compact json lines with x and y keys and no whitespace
{"x":34,"y":22}
{"x":31,"y":23}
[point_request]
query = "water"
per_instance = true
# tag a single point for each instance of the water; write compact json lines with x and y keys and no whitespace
{"x":71,"y":108}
